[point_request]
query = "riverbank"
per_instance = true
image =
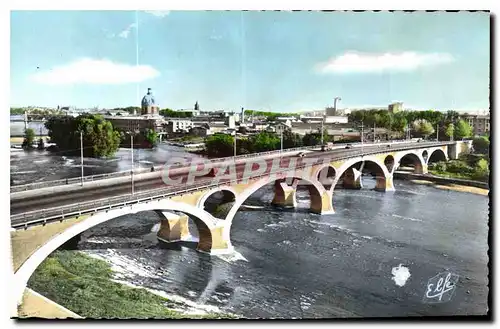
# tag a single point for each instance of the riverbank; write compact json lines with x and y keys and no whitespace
{"x":87,"y":287}
{"x":20,"y":139}
{"x":444,"y":183}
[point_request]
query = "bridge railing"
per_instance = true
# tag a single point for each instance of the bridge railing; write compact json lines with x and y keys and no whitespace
{"x":126,"y":173}
{"x":60,"y":213}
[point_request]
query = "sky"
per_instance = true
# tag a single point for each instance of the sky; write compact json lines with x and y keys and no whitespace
{"x":279,"y":61}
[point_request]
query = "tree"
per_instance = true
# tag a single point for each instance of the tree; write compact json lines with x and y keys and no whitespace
{"x":265,"y":141}
{"x":151,"y":137}
{"x":399,"y":122}
{"x":29,"y":138}
{"x":482,"y":170}
{"x":219,"y":145}
{"x":423,"y":127}
{"x":291,"y":140}
{"x":462,"y":130}
{"x":450,"y":129}
{"x":99,"y":137}
{"x":481,"y":145}
{"x":311,"y":139}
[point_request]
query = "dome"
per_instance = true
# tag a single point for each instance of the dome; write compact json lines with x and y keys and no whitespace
{"x":148,"y":99}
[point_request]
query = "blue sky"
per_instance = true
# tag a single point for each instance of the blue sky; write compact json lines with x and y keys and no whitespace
{"x":277,"y":61}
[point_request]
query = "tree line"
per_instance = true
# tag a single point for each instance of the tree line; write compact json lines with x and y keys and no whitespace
{"x":100,"y":139}
{"x":222,"y":145}
{"x":450,"y":124}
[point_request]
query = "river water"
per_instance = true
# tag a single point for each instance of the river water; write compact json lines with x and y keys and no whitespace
{"x":294,"y":264}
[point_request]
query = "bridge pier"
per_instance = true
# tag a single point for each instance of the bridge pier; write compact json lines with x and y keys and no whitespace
{"x":284,"y":195}
{"x":173,"y":227}
{"x":214,"y":241}
{"x":352,"y":179}
{"x":321,"y":203}
{"x":384,"y":184}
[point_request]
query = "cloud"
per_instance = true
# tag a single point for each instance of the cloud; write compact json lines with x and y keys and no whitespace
{"x":94,"y":71}
{"x":158,"y":13}
{"x":354,"y":62}
{"x":124,"y":34}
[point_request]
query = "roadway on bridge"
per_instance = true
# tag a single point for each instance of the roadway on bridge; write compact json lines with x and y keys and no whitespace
{"x":54,"y":200}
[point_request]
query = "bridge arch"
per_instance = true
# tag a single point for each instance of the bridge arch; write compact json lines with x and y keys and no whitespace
{"x":437,"y":154}
{"x":376,"y":167}
{"x":204,"y":221}
{"x":214,"y":201}
{"x":321,"y":201}
{"x":326,"y":175}
{"x":411,"y":158}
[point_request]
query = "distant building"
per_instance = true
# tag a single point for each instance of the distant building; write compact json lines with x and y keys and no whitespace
{"x":336,"y":119}
{"x":230,"y":121}
{"x":133,"y":123}
{"x":395,"y":107}
{"x":148,"y":104}
{"x":178,"y":125}
{"x":480,"y":123}
{"x":331,"y":111}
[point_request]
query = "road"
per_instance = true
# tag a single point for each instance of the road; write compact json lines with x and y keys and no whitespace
{"x":153,"y":181}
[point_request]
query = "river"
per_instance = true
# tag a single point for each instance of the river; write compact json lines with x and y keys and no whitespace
{"x":294,"y":264}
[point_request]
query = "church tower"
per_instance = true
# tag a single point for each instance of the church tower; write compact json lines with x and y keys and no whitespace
{"x":148,"y":104}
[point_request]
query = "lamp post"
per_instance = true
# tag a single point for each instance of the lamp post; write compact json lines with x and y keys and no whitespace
{"x":362,"y":133}
{"x":132,"y":159}
{"x":81,"y":154}
{"x":322,"y":130}
{"x":437,"y":132}
{"x":234,"y":146}
{"x":281,"y":150}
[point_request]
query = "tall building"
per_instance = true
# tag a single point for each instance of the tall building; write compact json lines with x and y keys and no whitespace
{"x":395,"y":107}
{"x":148,"y":104}
{"x":331,"y":111}
{"x":480,"y":123}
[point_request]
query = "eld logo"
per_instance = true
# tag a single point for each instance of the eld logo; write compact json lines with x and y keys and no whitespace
{"x":440,"y":288}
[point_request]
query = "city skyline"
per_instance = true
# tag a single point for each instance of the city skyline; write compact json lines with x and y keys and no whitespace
{"x":275,"y":61}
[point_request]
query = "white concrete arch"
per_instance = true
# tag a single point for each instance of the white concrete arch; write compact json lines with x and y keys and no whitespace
{"x":432,"y":150}
{"x":318,"y":170}
{"x":400,"y":155}
{"x":255,"y":187}
{"x":23,"y":274}
{"x":201,"y":201}
{"x":349,"y":163}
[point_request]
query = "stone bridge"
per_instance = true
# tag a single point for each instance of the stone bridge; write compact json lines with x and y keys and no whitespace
{"x":32,"y":244}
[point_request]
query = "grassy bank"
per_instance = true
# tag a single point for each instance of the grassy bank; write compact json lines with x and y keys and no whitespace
{"x":470,"y":166}
{"x":85,"y":286}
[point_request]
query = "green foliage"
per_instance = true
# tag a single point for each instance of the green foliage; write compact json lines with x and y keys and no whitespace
{"x":462,"y":129}
{"x":450,"y":129}
{"x":482,"y":170}
{"x":311,"y":139}
{"x":265,"y":141}
{"x":481,"y":144}
{"x":84,"y":285}
{"x":423,"y":127}
{"x":220,"y":145}
{"x":151,"y":137}
{"x":271,"y":116}
{"x":16,"y":111}
{"x":99,"y":137}
{"x":29,"y":138}
{"x":291,"y":140}
{"x":168,"y":113}
{"x":399,"y":122}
